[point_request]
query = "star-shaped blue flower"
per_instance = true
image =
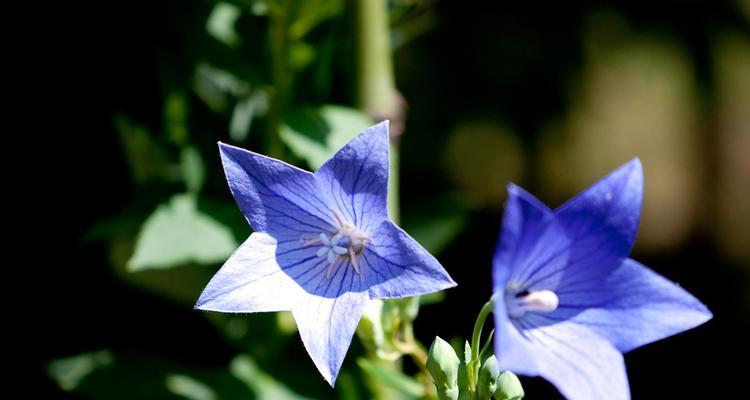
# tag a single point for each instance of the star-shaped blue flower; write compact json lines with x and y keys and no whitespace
{"x":569,"y":301}
{"x":322,"y":245}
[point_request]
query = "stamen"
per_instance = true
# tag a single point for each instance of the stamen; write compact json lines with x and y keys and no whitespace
{"x":346,"y":241}
{"x":519,"y":303}
{"x":355,"y":264}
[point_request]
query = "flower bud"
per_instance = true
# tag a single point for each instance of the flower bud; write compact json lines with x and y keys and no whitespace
{"x":443,"y":364}
{"x":508,"y":387}
{"x":488,"y":375}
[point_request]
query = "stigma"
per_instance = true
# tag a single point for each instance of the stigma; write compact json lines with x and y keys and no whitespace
{"x":345,"y":242}
{"x":540,"y":301}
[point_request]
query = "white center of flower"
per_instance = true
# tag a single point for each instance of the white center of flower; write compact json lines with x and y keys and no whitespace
{"x":519,"y":303}
{"x":345,"y":242}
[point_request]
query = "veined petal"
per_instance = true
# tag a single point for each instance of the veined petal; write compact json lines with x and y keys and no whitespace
{"x":602,"y":221}
{"x":395,"y":265}
{"x":274,"y":196}
{"x":581,"y":365}
{"x":251,"y":280}
{"x":327,"y":324}
{"x":531,"y":244}
{"x":631,"y":307}
{"x":357,"y":178}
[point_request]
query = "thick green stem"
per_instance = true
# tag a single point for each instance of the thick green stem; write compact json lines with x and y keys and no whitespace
{"x":375,"y":87}
{"x":376,"y":91}
{"x":279,"y":44}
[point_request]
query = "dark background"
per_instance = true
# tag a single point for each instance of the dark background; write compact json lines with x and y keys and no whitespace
{"x":518,"y":73}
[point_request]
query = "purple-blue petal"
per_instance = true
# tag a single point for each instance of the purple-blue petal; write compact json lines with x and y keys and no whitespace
{"x":531,"y":244}
{"x":602,"y":221}
{"x":357,"y":178}
{"x":581,"y":364}
{"x":395,"y":265}
{"x":274,"y":196}
{"x":631,"y":306}
{"x":251,"y":280}
{"x":326,"y":325}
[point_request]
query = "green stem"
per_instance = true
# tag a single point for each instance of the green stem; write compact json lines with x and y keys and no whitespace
{"x":376,"y":92}
{"x":279,"y":44}
{"x":473,"y":366}
{"x":375,"y":87}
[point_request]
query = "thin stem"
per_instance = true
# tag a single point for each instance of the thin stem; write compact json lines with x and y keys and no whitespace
{"x":476,"y":335}
{"x":472,"y":368}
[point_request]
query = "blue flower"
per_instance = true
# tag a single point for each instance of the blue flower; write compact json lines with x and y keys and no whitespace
{"x":322,"y":245}
{"x":569,"y":301}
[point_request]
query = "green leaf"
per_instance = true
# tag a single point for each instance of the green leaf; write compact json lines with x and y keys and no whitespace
{"x":104,"y":375}
{"x":315,"y":134}
{"x":193,"y":169}
{"x":70,"y":372}
{"x":404,"y":384}
{"x":178,"y":233}
{"x":436,"y":224}
{"x":245,"y":110}
{"x":147,"y":159}
{"x":176,"y":110}
{"x":220,"y":23}
{"x":262,"y":384}
{"x":189,"y":388}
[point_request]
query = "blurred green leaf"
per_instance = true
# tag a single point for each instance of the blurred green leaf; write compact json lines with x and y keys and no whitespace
{"x":404,"y":384}
{"x":220,"y":23}
{"x":146,"y":159}
{"x":435,"y":225}
{"x":178,"y":233}
{"x":176,"y":110}
{"x":70,"y":372}
{"x":104,"y":375}
{"x":263,"y":385}
{"x":193,"y":169}
{"x":189,"y":388}
{"x":315,"y":134}
{"x":245,"y":110}
{"x":311,"y":13}
{"x":217,"y":87}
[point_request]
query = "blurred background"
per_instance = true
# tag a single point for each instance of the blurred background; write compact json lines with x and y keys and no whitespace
{"x":548,"y":95}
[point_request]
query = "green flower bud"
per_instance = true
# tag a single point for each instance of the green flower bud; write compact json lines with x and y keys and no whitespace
{"x":443,"y":364}
{"x":488,"y":375}
{"x":508,"y":387}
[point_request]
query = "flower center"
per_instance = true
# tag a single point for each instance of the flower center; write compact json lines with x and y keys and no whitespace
{"x":519,"y":303}
{"x":345,"y":242}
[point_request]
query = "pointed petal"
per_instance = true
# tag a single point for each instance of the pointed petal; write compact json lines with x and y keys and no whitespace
{"x":327,"y":325}
{"x":581,"y":365}
{"x":602,"y":221}
{"x":252,"y":281}
{"x":394,"y":265}
{"x":531,"y":242}
{"x":357,"y":178}
{"x":631,"y":307}
{"x":276,"y":197}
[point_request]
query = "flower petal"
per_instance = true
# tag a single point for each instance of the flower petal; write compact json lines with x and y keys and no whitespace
{"x":252,"y":280}
{"x":631,"y":307}
{"x":276,"y":197}
{"x":602,"y":221}
{"x":395,"y":265}
{"x":357,"y":178}
{"x":531,"y":243}
{"x":581,"y":365}
{"x":327,"y":324}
